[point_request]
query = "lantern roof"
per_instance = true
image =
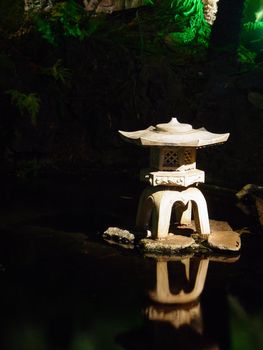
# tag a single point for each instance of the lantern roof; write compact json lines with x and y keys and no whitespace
{"x":174,"y":133}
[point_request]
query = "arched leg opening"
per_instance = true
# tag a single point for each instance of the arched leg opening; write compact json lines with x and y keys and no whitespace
{"x":183,"y":213}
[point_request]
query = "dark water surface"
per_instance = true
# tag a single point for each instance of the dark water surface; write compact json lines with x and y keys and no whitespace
{"x":63,"y":288}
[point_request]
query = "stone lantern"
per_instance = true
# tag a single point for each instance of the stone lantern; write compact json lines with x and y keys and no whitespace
{"x":172,"y":177}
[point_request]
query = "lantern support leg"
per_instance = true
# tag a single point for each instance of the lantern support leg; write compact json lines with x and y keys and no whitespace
{"x":144,"y":211}
{"x":161,"y":214}
{"x":156,"y":205}
{"x":200,"y":213}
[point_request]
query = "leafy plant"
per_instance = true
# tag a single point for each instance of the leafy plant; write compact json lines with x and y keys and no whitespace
{"x":44,"y":27}
{"x":66,"y":18}
{"x":26,"y":103}
{"x":190,"y":15}
{"x":251,"y":26}
{"x":58,"y":72}
{"x":246,"y":56}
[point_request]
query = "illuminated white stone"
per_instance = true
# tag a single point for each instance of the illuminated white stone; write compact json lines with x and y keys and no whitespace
{"x":171,"y":174}
{"x":109,"y":6}
{"x":36,"y":5}
{"x":210,"y":10}
{"x":174,"y":134}
{"x":172,"y":178}
{"x":156,"y":204}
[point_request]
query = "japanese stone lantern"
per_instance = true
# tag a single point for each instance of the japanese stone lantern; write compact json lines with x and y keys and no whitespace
{"x":172,"y":177}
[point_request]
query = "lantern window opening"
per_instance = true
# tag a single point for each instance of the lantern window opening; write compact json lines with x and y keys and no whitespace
{"x":171,"y":158}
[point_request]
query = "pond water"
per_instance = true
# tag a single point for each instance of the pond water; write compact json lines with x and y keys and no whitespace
{"x":64,"y":288}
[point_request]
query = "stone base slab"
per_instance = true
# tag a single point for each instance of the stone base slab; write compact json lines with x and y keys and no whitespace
{"x":171,"y":244}
{"x":222,"y":238}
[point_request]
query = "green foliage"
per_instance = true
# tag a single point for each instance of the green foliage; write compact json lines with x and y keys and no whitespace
{"x":26,"y":103}
{"x":44,"y":27}
{"x":251,"y":26}
{"x":70,"y":15}
{"x":246,"y":56}
{"x":183,"y":37}
{"x":67,"y":19}
{"x":251,"y":36}
{"x":190,"y":17}
{"x":246,"y":329}
{"x":182,"y":22}
{"x":58,"y":72}
{"x":148,"y":2}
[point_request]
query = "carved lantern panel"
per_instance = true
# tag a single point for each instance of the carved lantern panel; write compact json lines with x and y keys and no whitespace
{"x":173,"y":158}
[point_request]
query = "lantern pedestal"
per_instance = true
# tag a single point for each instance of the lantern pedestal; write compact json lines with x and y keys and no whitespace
{"x":156,"y":204}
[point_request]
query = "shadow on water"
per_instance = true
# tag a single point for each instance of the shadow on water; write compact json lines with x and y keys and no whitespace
{"x":62,"y":288}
